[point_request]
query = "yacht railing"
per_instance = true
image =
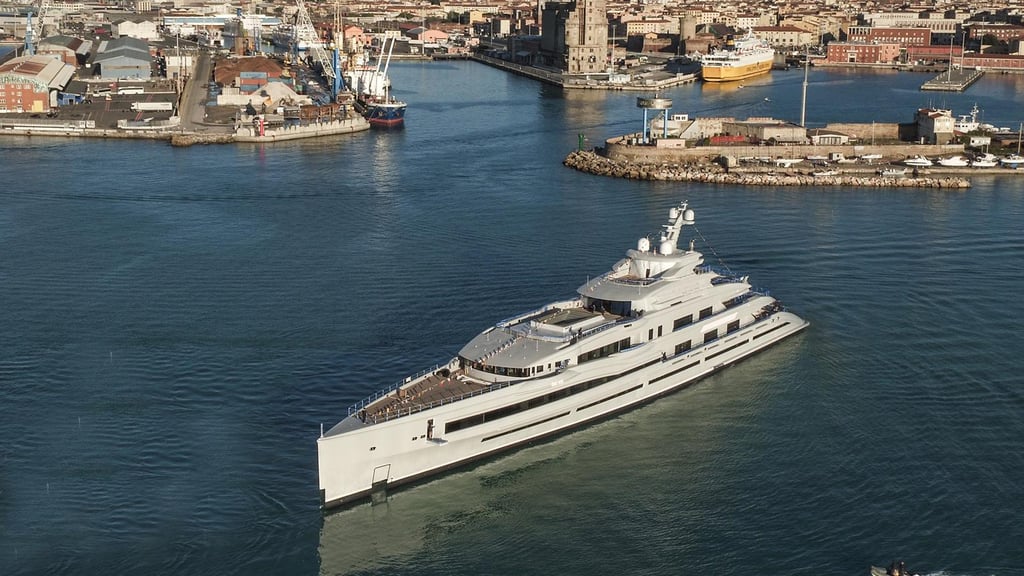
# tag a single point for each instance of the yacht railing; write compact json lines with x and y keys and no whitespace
{"x":575,"y":302}
{"x":407,"y":410}
{"x":384,"y":392}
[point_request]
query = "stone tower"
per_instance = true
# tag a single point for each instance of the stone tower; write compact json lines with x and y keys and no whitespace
{"x":586,"y":38}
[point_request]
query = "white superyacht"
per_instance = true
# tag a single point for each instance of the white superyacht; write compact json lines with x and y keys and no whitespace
{"x":659,"y":320}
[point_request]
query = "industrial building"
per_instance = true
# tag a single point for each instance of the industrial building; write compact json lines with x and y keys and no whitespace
{"x":123,"y":58}
{"x":31,"y":83}
{"x":73,"y":51}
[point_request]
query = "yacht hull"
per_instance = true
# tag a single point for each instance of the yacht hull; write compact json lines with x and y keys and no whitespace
{"x":366,"y":458}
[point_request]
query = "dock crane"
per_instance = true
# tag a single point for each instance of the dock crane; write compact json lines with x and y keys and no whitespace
{"x":305,"y":32}
{"x":32,"y":37}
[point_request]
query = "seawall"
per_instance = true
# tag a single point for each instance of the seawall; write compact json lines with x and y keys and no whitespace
{"x":594,"y":163}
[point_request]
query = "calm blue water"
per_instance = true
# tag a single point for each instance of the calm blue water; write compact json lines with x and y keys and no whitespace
{"x":177,"y":323}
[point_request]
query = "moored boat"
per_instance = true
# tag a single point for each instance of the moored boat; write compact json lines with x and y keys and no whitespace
{"x":383,"y":113}
{"x":1013,"y":160}
{"x":741,"y":58}
{"x":918,"y":162}
{"x":373,"y":99}
{"x":892,"y":172}
{"x":659,"y":320}
{"x":954,"y":162}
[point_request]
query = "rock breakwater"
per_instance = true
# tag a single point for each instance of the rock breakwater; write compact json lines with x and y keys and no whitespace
{"x":593,"y":163}
{"x":190,"y":138}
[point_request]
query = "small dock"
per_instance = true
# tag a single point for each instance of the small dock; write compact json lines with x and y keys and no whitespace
{"x":953,"y":80}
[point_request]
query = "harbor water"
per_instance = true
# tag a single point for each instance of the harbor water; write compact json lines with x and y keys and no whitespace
{"x":179,"y":323}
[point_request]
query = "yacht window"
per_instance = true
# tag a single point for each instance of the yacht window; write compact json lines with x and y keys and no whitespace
{"x":536,"y":401}
{"x":603,"y":351}
{"x":732,"y":327}
{"x":705,"y":312}
{"x":650,"y":334}
{"x":540,"y":369}
{"x":683,"y":347}
{"x":659,"y":331}
{"x":684,"y":321}
{"x":710,"y":336}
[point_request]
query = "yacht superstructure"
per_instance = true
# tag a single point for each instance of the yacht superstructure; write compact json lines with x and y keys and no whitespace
{"x":659,"y":320}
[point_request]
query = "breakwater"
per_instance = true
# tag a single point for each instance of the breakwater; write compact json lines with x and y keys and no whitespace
{"x":593,"y":163}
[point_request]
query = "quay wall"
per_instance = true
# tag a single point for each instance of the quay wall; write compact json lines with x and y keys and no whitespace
{"x":249,"y":134}
{"x":867,"y":131}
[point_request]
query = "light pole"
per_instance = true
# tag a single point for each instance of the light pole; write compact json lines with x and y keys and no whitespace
{"x":803,"y":103}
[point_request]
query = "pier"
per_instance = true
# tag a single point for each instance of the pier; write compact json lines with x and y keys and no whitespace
{"x":953,"y":80}
{"x":647,"y":82}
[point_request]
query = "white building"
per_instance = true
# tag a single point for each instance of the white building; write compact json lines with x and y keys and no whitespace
{"x":144,"y":29}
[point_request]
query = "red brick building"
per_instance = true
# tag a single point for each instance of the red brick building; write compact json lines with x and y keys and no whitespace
{"x":30,"y":83}
{"x":902,"y":36}
{"x":1004,"y":32}
{"x":862,"y":53}
{"x":934,"y":53}
{"x":1011,"y":62}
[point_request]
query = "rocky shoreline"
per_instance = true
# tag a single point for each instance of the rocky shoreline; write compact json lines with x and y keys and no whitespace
{"x":591,"y":162}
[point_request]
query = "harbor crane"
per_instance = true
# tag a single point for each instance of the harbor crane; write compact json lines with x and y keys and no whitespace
{"x":32,"y":36}
{"x":305,"y":32}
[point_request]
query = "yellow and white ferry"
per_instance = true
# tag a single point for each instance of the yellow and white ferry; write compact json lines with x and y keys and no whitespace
{"x":741,"y":58}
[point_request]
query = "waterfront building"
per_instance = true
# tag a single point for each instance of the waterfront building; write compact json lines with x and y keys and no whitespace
{"x":826,"y":137}
{"x":1007,"y":62}
{"x":574,"y":36}
{"x":903,"y":36}
{"x":1003,"y":32}
{"x":785,"y":35}
{"x":935,"y":22}
{"x":934,"y":53}
{"x":767,"y":130}
{"x":863,"y":52}
{"x":934,"y":126}
{"x":31,"y":83}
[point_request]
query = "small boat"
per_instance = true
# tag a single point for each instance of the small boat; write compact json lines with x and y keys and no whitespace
{"x":869,"y":158}
{"x":892,"y":172}
{"x":817,"y":157}
{"x":894,"y":569}
{"x":819,"y":173}
{"x":918,"y":161}
{"x":954,"y":162}
{"x":1013,"y":160}
{"x":985,"y":161}
{"x":787,"y":162}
